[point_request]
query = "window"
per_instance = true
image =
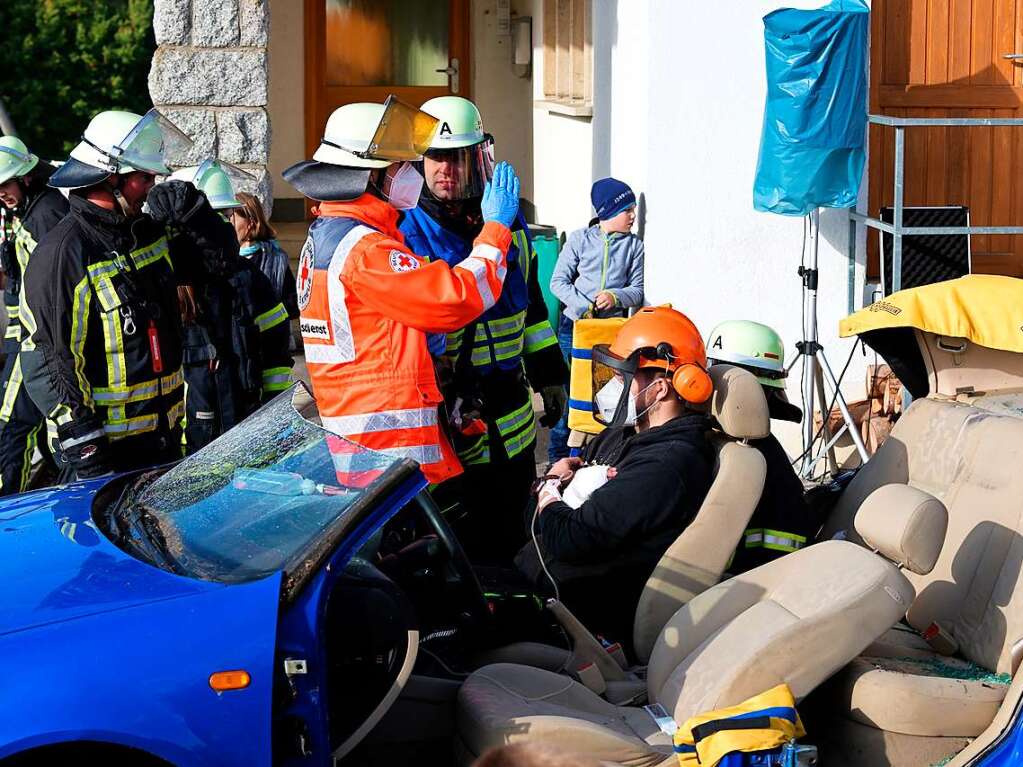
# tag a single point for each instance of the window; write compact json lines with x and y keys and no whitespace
{"x":567,"y":56}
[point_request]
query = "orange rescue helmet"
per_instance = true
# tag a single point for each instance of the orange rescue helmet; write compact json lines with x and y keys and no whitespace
{"x":666,"y":339}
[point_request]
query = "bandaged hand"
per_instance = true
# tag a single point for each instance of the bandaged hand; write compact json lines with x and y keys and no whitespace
{"x":550,"y":492}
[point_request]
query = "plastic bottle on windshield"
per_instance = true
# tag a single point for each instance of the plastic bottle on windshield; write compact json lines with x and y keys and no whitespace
{"x":272,"y":482}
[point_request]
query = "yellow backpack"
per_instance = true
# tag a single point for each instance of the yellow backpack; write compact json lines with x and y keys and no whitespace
{"x":585,"y":335}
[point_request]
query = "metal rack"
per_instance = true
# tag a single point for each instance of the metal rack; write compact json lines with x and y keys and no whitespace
{"x":896,"y":228}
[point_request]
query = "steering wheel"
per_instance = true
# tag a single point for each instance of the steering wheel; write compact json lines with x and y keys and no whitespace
{"x":478,"y":606}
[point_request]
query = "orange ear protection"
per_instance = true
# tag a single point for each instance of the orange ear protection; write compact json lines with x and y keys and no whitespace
{"x":690,"y":380}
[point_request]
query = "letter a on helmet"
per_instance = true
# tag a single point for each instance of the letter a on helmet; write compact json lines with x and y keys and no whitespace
{"x":461,"y":144}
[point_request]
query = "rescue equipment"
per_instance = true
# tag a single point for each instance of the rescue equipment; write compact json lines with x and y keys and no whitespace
{"x":585,"y":335}
{"x":742,"y":735}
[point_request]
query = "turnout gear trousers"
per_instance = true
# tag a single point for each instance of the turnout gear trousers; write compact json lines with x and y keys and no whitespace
{"x":367,"y":302}
{"x":235,"y":355}
{"x":21,"y":422}
{"x":103,"y":361}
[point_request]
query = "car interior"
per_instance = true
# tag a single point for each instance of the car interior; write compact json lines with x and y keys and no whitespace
{"x":899,"y":631}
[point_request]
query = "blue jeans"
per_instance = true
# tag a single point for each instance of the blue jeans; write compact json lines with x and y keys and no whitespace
{"x":558,"y":447}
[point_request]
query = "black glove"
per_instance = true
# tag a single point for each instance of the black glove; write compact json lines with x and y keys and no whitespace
{"x":10,"y":266}
{"x":84,"y":446}
{"x":555,"y":399}
{"x":174,"y":202}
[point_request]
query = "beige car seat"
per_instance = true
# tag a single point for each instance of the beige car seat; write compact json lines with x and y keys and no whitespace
{"x":971,"y":460}
{"x":797,"y":620}
{"x":699,"y":556}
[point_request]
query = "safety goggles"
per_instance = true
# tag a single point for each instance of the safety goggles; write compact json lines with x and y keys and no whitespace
{"x":461,"y":173}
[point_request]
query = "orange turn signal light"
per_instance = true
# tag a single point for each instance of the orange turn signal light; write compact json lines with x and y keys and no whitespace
{"x":221,"y":681}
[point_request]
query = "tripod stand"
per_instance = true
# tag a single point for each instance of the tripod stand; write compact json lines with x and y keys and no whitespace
{"x":816,"y":369}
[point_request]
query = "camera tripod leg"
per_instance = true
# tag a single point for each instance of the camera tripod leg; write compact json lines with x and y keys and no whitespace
{"x":854,"y":433}
{"x":825,"y":426}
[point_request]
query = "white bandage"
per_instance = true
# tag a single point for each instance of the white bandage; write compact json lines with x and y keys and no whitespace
{"x":550,"y":491}
{"x":585,"y":483}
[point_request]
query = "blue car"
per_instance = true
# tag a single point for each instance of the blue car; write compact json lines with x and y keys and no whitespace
{"x":285,"y":597}
{"x":194,"y":615}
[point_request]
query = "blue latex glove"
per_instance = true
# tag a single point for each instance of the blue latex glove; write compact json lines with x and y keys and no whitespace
{"x":501,"y":196}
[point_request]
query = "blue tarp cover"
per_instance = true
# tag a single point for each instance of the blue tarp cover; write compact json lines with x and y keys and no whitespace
{"x":812,"y":147}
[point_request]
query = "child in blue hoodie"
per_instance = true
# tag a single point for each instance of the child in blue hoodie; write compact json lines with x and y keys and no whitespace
{"x":599,"y":274}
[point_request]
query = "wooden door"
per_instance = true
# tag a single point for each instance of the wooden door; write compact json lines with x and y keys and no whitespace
{"x":363,"y":50}
{"x":946,"y":58}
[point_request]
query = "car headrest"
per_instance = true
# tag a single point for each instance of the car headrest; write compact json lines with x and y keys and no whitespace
{"x":905,"y":525}
{"x":738,"y":403}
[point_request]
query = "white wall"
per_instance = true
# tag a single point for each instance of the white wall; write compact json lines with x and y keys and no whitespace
{"x":678,"y":106}
{"x":287,"y":89}
{"x":504,"y":99}
{"x":709,"y":252}
{"x":562,"y":151}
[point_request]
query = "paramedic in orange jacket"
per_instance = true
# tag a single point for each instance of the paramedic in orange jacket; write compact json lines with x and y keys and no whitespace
{"x":367,"y":302}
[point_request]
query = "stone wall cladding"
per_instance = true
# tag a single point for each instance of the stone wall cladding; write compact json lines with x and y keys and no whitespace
{"x":210,"y":76}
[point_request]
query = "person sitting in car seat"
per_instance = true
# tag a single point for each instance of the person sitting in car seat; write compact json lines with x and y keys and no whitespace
{"x":645,"y":476}
{"x":782,"y":521}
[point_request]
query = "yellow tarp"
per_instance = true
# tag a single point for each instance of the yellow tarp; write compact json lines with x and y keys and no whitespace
{"x":984,"y":308}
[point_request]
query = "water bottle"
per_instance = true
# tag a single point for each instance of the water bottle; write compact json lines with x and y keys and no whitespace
{"x":272,"y":482}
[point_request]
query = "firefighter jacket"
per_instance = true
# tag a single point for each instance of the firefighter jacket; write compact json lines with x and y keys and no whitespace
{"x":367,"y":303}
{"x":236,"y":353}
{"x":38,"y":213}
{"x":512,"y":333}
{"x":103,"y":354}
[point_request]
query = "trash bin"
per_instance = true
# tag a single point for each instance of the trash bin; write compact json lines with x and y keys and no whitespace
{"x":546,"y":245}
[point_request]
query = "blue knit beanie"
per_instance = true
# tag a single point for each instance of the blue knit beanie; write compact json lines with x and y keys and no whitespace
{"x":610,"y":197}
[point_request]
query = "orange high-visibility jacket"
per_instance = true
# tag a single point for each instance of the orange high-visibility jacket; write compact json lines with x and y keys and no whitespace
{"x":367,"y":303}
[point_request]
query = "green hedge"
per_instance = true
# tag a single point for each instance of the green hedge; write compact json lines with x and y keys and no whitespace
{"x":65,"y":60}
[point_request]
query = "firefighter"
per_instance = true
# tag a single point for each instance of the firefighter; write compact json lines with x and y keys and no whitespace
{"x":782,"y":521}
{"x":103,"y":359}
{"x":34,"y":209}
{"x":367,"y":301}
{"x":236,"y":347}
{"x":495,"y":359}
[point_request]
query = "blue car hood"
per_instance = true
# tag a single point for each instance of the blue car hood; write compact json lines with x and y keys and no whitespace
{"x":56,"y":565}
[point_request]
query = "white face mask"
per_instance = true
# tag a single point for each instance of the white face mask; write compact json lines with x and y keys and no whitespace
{"x":608,"y":397}
{"x":607,"y":400}
{"x":406,"y":186}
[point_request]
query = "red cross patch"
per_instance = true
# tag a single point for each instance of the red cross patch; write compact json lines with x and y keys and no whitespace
{"x":305,"y":274}
{"x":403,"y":262}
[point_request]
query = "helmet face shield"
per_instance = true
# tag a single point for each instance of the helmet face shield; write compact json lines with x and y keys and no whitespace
{"x":403,"y":134}
{"x":220,"y":182}
{"x":461,"y":173}
{"x":612,"y":385}
{"x":148,"y":145}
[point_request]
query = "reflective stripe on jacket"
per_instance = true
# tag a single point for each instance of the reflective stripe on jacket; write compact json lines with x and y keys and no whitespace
{"x":514,"y":330}
{"x":366,"y":303}
{"x":504,"y":333}
{"x":41,"y":210}
{"x":100,"y":302}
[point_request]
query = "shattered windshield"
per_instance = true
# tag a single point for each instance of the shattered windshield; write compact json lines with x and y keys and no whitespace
{"x":248,"y":503}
